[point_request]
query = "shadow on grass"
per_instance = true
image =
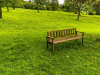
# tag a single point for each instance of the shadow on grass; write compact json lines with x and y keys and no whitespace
{"x":66,"y":46}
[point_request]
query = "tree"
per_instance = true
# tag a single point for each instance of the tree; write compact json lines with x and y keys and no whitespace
{"x":29,"y":1}
{"x":48,"y":4}
{"x":16,"y":3}
{"x":7,"y":2}
{"x":68,"y":5}
{"x":1,"y":5}
{"x":96,"y":7}
{"x":39,"y":3}
{"x":60,"y":7}
{"x":54,"y":5}
{"x":89,"y":5}
{"x":78,"y":4}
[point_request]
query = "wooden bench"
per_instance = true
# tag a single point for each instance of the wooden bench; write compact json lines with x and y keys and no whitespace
{"x":53,"y":37}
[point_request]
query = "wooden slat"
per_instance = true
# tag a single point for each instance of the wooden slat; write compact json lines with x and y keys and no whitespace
{"x":66,"y":39}
{"x":64,"y":32}
{"x":59,"y":33}
{"x":75,"y":30}
{"x":68,"y":31}
{"x":56,"y":33}
{"x":53,"y":34}
{"x":48,"y":34}
{"x":71,"y":31}
{"x":60,"y":30}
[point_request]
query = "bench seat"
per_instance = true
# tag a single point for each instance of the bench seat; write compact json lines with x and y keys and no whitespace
{"x":65,"y":39}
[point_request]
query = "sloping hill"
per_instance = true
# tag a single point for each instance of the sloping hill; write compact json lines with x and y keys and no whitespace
{"x":23,"y":44}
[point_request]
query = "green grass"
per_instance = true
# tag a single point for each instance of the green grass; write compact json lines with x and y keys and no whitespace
{"x":23,"y":44}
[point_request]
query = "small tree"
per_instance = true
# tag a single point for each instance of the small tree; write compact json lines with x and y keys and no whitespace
{"x":16,"y":3}
{"x":54,"y":5}
{"x":39,"y":3}
{"x":68,"y":5}
{"x":7,"y":3}
{"x":78,"y":4}
{"x":60,"y":7}
{"x":96,"y":7}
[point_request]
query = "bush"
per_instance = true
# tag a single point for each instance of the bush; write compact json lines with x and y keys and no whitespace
{"x":29,"y":6}
{"x":64,"y":10}
{"x":92,"y":12}
{"x":48,"y":8}
{"x":97,"y":12}
{"x":75,"y":11}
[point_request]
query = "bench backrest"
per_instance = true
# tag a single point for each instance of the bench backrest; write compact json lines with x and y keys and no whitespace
{"x":60,"y":33}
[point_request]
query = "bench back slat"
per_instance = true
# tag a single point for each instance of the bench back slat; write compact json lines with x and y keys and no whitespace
{"x":60,"y":33}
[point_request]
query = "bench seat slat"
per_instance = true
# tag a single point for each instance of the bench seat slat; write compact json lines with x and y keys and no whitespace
{"x":65,"y":39}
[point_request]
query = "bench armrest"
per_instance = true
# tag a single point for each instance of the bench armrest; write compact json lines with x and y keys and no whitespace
{"x":49,"y":37}
{"x":80,"y":32}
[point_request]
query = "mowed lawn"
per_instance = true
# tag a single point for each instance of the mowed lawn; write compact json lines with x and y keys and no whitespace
{"x":23,"y":44}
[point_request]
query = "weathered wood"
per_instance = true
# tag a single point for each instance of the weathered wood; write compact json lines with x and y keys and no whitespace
{"x":61,"y":33}
{"x":82,"y":38}
{"x":64,"y":32}
{"x":60,"y":30}
{"x":53,"y":44}
{"x":73,"y":31}
{"x":65,"y":39}
{"x":53,"y":34}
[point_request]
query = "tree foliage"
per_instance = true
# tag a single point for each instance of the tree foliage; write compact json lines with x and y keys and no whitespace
{"x":96,"y":7}
{"x":78,"y":5}
{"x":16,"y":3}
{"x":39,"y":3}
{"x":68,"y":5}
{"x":7,"y":4}
{"x":54,"y":4}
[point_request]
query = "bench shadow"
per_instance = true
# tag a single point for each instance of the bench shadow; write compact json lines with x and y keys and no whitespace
{"x":65,"y":46}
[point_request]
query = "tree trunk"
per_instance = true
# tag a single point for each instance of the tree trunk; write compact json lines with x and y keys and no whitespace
{"x":86,"y":12}
{"x":78,"y":14}
{"x":7,"y":8}
{"x":37,"y":9}
{"x":0,"y":12}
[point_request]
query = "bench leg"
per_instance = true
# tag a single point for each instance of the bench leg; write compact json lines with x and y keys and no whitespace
{"x":76,"y":40}
{"x":52,"y":46}
{"x":82,"y":40}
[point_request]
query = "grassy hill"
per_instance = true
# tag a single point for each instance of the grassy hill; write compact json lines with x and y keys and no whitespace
{"x":23,"y":44}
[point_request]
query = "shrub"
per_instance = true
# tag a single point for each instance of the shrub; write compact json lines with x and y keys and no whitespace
{"x":29,"y":5}
{"x":97,"y":12}
{"x":92,"y":12}
{"x":75,"y":11}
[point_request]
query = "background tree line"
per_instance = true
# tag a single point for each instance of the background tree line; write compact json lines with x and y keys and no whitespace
{"x":91,"y":7}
